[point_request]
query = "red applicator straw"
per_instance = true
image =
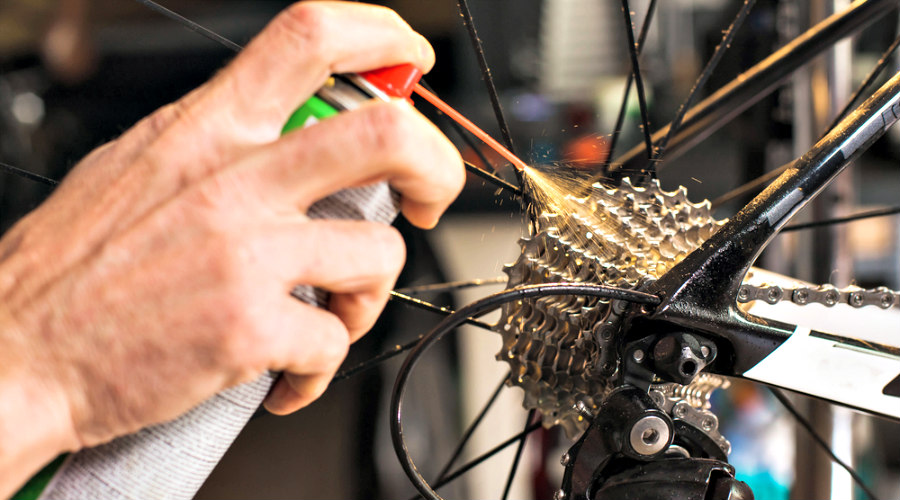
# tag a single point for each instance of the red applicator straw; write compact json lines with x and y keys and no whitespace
{"x":402,"y":80}
{"x":471,"y":127}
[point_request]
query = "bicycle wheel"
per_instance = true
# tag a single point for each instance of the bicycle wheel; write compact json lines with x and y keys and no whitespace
{"x":704,"y":183}
{"x":528,"y":357}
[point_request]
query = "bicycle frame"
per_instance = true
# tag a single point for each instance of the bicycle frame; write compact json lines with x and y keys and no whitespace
{"x":756,"y":83}
{"x":699,"y":293}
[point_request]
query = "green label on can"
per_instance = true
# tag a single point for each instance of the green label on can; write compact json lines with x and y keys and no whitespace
{"x":313,"y":111}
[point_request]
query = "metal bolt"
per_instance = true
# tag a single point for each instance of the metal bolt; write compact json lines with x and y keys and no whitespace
{"x":887,"y":300}
{"x":649,"y":435}
{"x":709,"y":424}
{"x":583,"y":410}
{"x":801,"y":296}
{"x":608,"y":368}
{"x":857,"y":299}
{"x":743,"y":294}
{"x":680,"y":410}
{"x":831,"y":298}
{"x":565,"y":459}
{"x":704,"y":351}
{"x":774,"y":295}
{"x":638,"y":355}
{"x":559,"y":495}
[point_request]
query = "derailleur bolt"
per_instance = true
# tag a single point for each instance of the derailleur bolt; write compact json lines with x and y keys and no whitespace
{"x":584,"y":411}
{"x":649,"y":435}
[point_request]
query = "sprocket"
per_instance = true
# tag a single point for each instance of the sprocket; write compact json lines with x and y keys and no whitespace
{"x":625,"y":236}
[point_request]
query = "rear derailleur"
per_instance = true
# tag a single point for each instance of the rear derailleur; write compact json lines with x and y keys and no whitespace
{"x":643,"y":443}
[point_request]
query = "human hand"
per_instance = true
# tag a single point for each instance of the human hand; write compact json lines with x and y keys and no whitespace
{"x":159,"y":271}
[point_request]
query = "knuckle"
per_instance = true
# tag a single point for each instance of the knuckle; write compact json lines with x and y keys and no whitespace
{"x":162,"y":119}
{"x":207,"y":198}
{"x":157,"y":122}
{"x":393,"y":18}
{"x":391,"y":130}
{"x":307,"y":23}
{"x":214,"y":198}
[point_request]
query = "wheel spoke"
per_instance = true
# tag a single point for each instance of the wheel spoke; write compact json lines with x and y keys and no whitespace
{"x":477,"y":461}
{"x":493,"y":179}
{"x":717,"y":56}
{"x":470,"y":430}
{"x":450,"y":286}
{"x":654,"y":154}
{"x":461,"y":133}
{"x":620,"y":119}
{"x":870,"y":79}
{"x":749,"y":187}
{"x":515,"y":464}
{"x":27,"y":175}
{"x":883,"y":212}
{"x":757,"y":82}
{"x":376,"y":360}
{"x":191,"y":25}
{"x":477,"y":47}
{"x":821,"y":442}
{"x":638,"y":80}
{"x":442,"y":310}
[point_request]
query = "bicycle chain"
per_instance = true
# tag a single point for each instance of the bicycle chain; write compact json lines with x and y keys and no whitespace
{"x":562,"y":351}
{"x":827,"y":295}
{"x":690,"y":404}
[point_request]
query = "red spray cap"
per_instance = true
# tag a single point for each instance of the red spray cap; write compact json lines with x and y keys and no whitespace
{"x":395,"y":81}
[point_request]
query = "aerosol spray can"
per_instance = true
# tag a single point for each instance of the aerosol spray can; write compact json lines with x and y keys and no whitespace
{"x":172,"y":460}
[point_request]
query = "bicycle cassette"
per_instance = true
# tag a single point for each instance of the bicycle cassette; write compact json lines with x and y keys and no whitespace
{"x":626,"y":237}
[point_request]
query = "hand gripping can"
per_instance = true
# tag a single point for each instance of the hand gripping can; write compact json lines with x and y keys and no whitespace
{"x":173,"y":459}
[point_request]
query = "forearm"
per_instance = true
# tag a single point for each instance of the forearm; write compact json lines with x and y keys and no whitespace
{"x":33,"y":424}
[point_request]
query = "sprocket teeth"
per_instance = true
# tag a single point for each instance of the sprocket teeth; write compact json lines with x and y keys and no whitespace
{"x":624,"y":236}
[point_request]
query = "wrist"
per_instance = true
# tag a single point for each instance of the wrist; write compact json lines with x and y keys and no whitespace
{"x":35,"y":425}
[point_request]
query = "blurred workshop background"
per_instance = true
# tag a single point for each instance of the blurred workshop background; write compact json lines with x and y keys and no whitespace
{"x":76,"y":73}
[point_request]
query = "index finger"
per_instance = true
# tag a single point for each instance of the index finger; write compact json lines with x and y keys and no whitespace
{"x":249,"y":101}
{"x":379,"y":141}
{"x":301,"y":48}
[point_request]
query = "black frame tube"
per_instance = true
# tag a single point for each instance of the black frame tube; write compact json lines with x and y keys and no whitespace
{"x":756,"y":83}
{"x":700,"y":291}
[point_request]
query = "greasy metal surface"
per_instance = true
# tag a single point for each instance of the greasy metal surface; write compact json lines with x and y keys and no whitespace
{"x":607,"y":461}
{"x":555,"y":346}
{"x":827,"y":295}
{"x":559,"y":350}
{"x":690,"y":404}
{"x":701,"y":290}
